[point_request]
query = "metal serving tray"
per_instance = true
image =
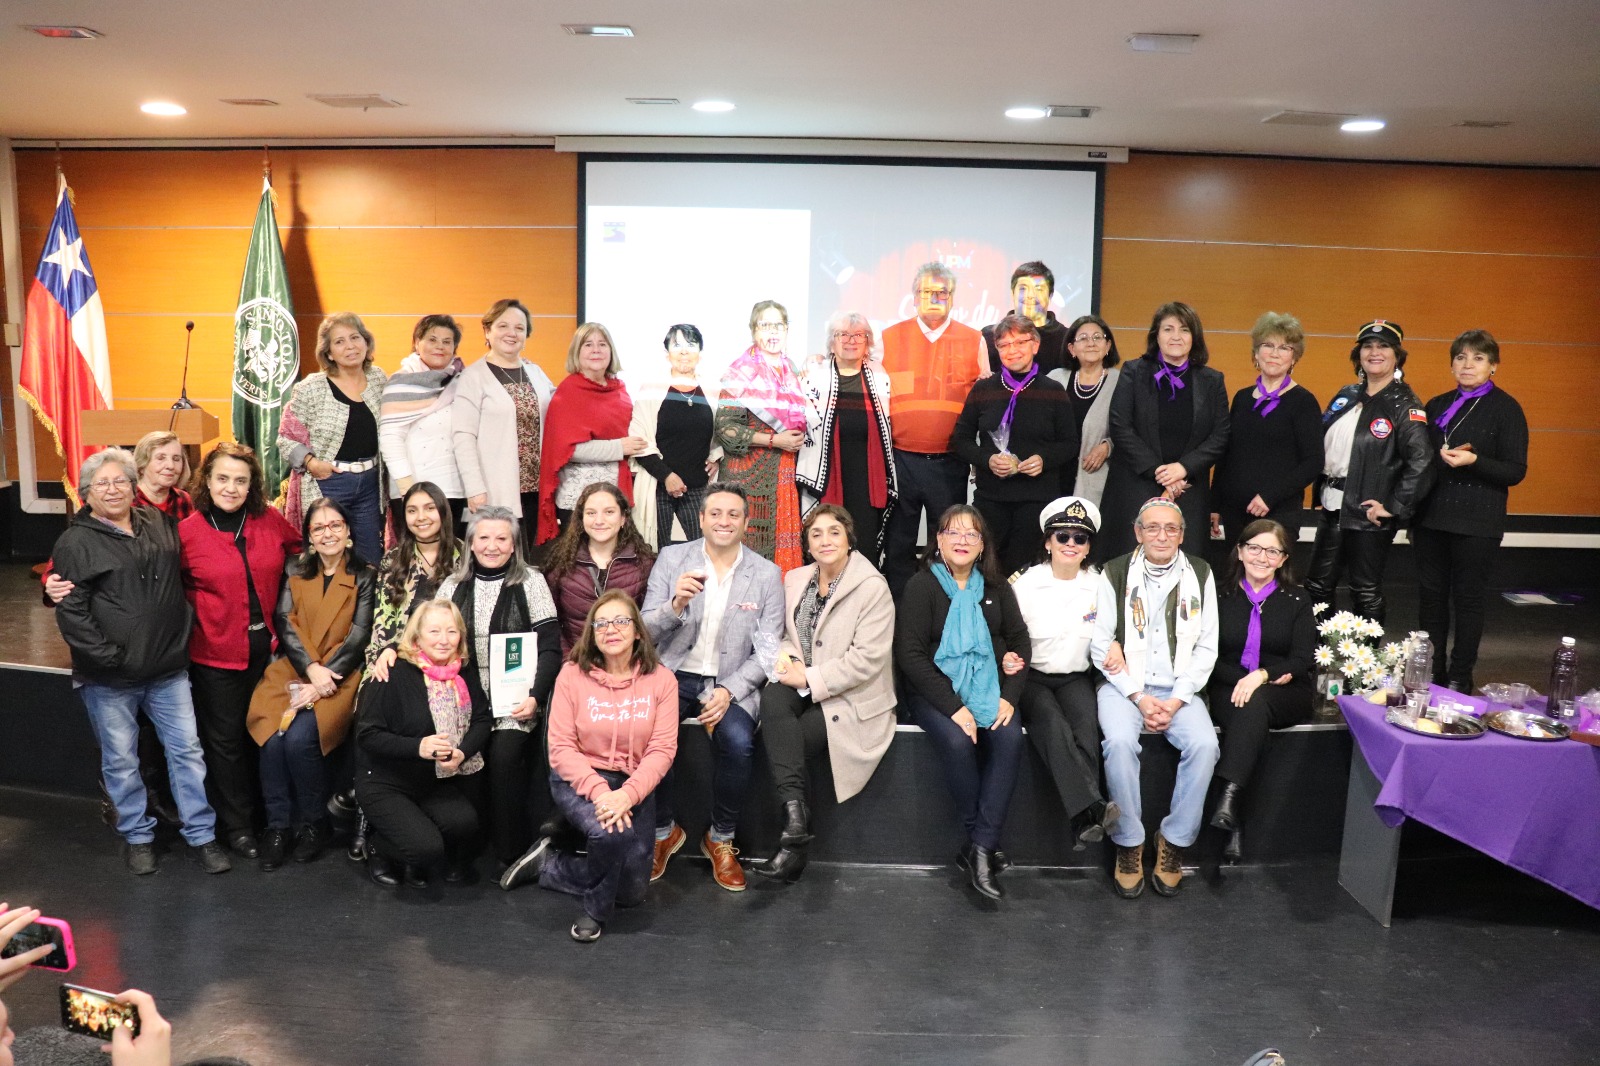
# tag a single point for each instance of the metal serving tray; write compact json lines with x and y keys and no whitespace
{"x":1454,"y":727}
{"x":1524,"y":725}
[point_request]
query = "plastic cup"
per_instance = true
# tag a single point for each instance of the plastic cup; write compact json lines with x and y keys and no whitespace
{"x":1517,"y":696}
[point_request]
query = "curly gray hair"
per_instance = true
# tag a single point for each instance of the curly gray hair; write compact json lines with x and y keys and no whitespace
{"x":91,"y":468}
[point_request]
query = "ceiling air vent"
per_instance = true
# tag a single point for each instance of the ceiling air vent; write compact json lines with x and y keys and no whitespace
{"x":654,"y":101}
{"x":590,"y":30}
{"x":1070,"y":111}
{"x":1306,"y":118}
{"x":249,"y":102}
{"x":1483,"y":124}
{"x":364,"y":101}
{"x":67,"y":33}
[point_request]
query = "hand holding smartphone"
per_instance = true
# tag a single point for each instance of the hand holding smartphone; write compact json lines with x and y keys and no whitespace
{"x":52,"y":931}
{"x":96,"y":1014}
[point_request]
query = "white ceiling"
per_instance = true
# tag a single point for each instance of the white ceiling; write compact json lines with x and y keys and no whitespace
{"x":932,"y":70}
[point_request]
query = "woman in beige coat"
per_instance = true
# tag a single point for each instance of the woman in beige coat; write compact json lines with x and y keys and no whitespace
{"x":835,"y":683}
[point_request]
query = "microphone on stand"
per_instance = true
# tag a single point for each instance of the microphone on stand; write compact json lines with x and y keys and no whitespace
{"x":184,"y":403}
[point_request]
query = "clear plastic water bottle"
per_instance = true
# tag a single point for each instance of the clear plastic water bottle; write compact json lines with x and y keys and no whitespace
{"x":1419,"y":663}
{"x":1561,"y":698}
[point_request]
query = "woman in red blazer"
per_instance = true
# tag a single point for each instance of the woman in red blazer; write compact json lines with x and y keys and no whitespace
{"x":234,"y":549}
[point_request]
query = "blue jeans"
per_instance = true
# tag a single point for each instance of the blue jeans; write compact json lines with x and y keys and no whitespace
{"x":113,"y":714}
{"x":734,"y":739}
{"x":362,"y":496}
{"x":617,"y":866}
{"x":1191,"y":732}
{"x":981,"y":776}
{"x":294,"y":775}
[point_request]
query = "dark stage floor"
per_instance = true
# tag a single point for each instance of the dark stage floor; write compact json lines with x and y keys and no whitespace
{"x":315,"y":965}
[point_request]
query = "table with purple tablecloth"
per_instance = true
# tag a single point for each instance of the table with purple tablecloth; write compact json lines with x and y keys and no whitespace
{"x":1533,"y":805}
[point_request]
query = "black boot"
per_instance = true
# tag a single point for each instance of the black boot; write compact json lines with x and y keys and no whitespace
{"x":274,"y":848}
{"x":787,"y":865}
{"x":984,"y":875}
{"x":313,"y":841}
{"x":796,"y":823}
{"x":382,"y":871}
{"x":1234,"y":851}
{"x":1226,"y":816}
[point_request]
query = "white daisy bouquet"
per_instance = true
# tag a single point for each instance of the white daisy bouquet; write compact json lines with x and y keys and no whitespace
{"x":1350,"y":655}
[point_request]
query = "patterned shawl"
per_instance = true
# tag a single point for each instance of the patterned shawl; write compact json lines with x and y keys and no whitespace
{"x":772,"y":394}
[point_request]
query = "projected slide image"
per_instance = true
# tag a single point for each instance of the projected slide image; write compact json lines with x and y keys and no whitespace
{"x":696,"y":241}
{"x":649,"y":267}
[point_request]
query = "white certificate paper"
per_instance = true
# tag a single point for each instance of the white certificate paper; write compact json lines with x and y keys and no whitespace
{"x":512,"y":659}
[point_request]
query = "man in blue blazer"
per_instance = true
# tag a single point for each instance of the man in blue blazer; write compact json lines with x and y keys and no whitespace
{"x":715,"y":611}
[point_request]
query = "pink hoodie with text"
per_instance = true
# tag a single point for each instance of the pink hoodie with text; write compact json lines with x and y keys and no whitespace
{"x":600,"y":722}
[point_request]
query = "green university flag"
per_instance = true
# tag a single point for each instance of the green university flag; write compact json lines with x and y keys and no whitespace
{"x":266,"y":344}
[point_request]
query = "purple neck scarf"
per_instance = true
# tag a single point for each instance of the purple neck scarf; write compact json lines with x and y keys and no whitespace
{"x":1251,"y":659}
{"x":1462,"y":396}
{"x":1169,"y":374}
{"x":1015,"y":385}
{"x":1267,"y":402}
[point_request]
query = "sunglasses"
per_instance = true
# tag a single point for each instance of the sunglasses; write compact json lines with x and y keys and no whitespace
{"x":1061,"y":536}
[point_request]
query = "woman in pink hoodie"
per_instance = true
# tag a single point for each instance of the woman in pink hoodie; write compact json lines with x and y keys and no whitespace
{"x":613,"y":734}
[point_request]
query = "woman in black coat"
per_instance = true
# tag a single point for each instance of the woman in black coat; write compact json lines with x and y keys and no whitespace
{"x":1480,"y":440}
{"x":1274,"y":436}
{"x":957,"y":622}
{"x":420,"y":736}
{"x":1018,"y":431}
{"x":1169,"y":427}
{"x":1266,"y":638}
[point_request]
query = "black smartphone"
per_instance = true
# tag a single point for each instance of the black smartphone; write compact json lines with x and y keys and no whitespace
{"x":96,"y":1014}
{"x":52,"y":931}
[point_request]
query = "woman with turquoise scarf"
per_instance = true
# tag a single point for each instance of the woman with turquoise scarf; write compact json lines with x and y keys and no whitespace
{"x":956,"y":622}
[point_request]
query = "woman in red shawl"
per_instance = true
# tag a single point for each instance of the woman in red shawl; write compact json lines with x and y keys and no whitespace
{"x":586,"y":437}
{"x":761,"y":424}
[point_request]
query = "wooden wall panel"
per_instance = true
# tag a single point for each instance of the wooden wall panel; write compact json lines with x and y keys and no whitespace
{"x":394,"y":233}
{"x":1438,"y":249}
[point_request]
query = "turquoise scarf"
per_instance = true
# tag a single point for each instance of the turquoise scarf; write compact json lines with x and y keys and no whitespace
{"x":966,"y":651}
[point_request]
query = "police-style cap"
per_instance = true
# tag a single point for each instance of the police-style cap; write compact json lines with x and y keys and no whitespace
{"x":1388,"y":332}
{"x":1070,"y":512}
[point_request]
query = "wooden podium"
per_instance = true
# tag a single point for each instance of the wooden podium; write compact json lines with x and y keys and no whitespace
{"x":194,"y":428}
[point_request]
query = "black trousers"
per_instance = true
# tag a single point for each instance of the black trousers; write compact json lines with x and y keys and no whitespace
{"x":1014,"y":534}
{"x":792,"y":728}
{"x":928,"y":484}
{"x":1359,"y":555}
{"x":1063,"y":724}
{"x":221,"y":703}
{"x":1244,"y":729}
{"x":422,"y":827}
{"x":511,"y":757}
{"x":1234,"y":521}
{"x":1453,"y":574}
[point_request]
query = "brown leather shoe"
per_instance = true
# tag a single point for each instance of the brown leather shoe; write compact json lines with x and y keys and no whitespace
{"x":666,"y":849}
{"x":1167,"y":877}
{"x":725,"y":869}
{"x":1129,"y":874}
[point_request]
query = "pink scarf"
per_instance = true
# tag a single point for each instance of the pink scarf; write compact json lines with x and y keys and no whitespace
{"x":450,"y":671}
{"x":770,"y":393}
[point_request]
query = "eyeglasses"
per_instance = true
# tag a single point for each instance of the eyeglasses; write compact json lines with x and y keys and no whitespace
{"x":1162,"y":531}
{"x":1016,"y":344}
{"x":1258,"y":550}
{"x":962,"y":536}
{"x":329,"y":527}
{"x":1061,"y":536}
{"x":113,"y":483}
{"x":1091,"y":338}
{"x":858,"y":337}
{"x":1266,"y":347}
{"x":603,"y":624}
{"x":935,"y":294}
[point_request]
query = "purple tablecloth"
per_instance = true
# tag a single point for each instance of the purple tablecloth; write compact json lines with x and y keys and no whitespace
{"x":1535,"y":806}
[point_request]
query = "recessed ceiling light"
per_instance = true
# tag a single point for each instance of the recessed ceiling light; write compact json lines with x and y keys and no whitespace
{"x":1172,"y":43}
{"x":163,"y":108}
{"x":587,"y":30}
{"x":713,"y":106}
{"x":1028,"y":111}
{"x":1363,"y":125}
{"x":70,"y":33}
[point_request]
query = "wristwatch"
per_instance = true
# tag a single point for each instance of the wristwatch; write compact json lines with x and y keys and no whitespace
{"x":1135,"y":697}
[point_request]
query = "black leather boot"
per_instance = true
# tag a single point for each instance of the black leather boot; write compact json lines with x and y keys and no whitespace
{"x":1234,"y":850}
{"x":1226,"y":816}
{"x":787,"y":865}
{"x":796,"y":823}
{"x":984,"y":875}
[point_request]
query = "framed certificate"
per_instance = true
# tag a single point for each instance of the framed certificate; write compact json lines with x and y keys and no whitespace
{"x":512,"y":659}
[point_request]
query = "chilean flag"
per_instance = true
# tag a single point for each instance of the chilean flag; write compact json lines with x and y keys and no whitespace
{"x":65,"y":366}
